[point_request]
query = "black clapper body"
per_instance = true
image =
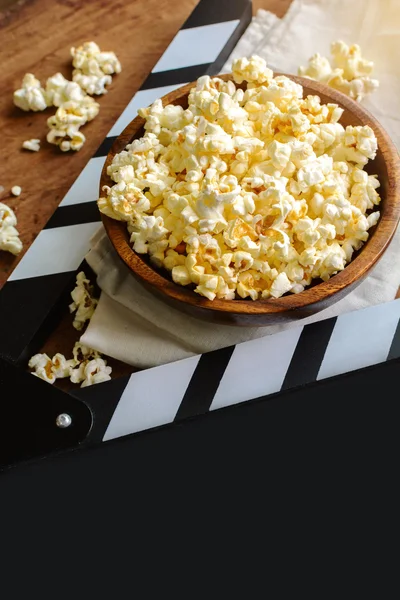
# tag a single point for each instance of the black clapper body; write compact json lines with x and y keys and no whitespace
{"x":29,"y":408}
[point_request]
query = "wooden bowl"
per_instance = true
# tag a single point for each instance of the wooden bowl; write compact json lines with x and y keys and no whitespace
{"x":292,"y":306}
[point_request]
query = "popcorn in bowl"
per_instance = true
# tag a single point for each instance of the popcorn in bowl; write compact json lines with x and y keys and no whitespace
{"x":247,"y":193}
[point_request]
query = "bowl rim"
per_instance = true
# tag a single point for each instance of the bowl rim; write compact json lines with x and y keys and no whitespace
{"x":354,"y":272}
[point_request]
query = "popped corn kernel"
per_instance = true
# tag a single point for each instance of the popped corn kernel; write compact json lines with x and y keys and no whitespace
{"x":349,"y":72}
{"x":93,"y":68}
{"x":252,"y":70}
{"x":33,"y":145}
{"x":9,"y":236}
{"x":16,"y":190}
{"x":31,"y":95}
{"x":84,"y":303}
{"x":43,"y":367}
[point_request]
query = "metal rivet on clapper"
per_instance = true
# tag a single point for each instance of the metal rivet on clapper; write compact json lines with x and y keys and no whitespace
{"x":63,"y":421}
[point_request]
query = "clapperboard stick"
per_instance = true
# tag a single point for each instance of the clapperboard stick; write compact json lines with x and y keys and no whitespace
{"x":187,"y":388}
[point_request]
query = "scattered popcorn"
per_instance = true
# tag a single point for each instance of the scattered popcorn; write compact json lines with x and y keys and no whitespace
{"x":96,"y":371}
{"x":92,"y":73}
{"x":65,"y":124}
{"x":93,"y":68}
{"x":67,"y":139}
{"x":16,"y":190}
{"x":89,"y":367}
{"x":83,"y":302}
{"x":61,"y":366}
{"x":74,"y":109}
{"x":9,"y":236}
{"x":81,"y":352}
{"x":350,"y":73}
{"x":43,"y":367}
{"x":249,"y":193}
{"x":60,"y":90}
{"x":86,"y":367}
{"x":32,"y":145}
{"x":31,"y":95}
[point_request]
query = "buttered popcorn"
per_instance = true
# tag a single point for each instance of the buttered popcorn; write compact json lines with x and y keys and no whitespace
{"x":251,"y":191}
{"x":350,"y":73}
{"x":93,"y":68}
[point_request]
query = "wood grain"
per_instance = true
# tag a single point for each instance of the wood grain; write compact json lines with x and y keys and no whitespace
{"x":292,"y":306}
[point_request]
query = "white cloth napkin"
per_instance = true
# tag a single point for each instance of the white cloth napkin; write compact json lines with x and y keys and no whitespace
{"x":132,"y":325}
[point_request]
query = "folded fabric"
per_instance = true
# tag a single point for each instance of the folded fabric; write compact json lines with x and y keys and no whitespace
{"x":134,"y":326}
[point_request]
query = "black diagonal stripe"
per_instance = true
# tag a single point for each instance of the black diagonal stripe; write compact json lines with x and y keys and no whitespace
{"x":30,"y":308}
{"x":226,"y":51}
{"x":105,"y":146}
{"x":102,"y":399}
{"x":175,"y":76}
{"x":394,"y":351}
{"x":208,"y":12}
{"x":74,"y":214}
{"x":308,"y":356}
{"x":204,"y":383}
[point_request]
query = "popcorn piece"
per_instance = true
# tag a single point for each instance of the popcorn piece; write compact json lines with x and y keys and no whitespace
{"x":89,"y":366}
{"x":75,"y":109}
{"x":350,"y":60}
{"x":59,"y":90}
{"x":81,"y":353}
{"x":318,"y":68}
{"x":16,"y":190}
{"x":93,"y":68}
{"x":43,"y":367}
{"x":9,"y":240}
{"x":181,"y":275}
{"x":92,"y":84}
{"x":350,"y":73}
{"x":33,"y":145}
{"x":96,"y":371}
{"x":61,"y":366}
{"x":83,"y":302}
{"x":9,"y":236}
{"x":67,"y":139}
{"x":31,"y":95}
{"x":280,"y":285}
{"x":252,"y":70}
{"x":51,"y":369}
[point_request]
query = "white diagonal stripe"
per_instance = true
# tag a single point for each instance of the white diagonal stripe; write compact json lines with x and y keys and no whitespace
{"x":196,"y":46}
{"x":86,"y":187}
{"x":257,"y":368}
{"x":151,"y":398}
{"x":360,"y":339}
{"x":57,"y":250}
{"x":140,"y":100}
